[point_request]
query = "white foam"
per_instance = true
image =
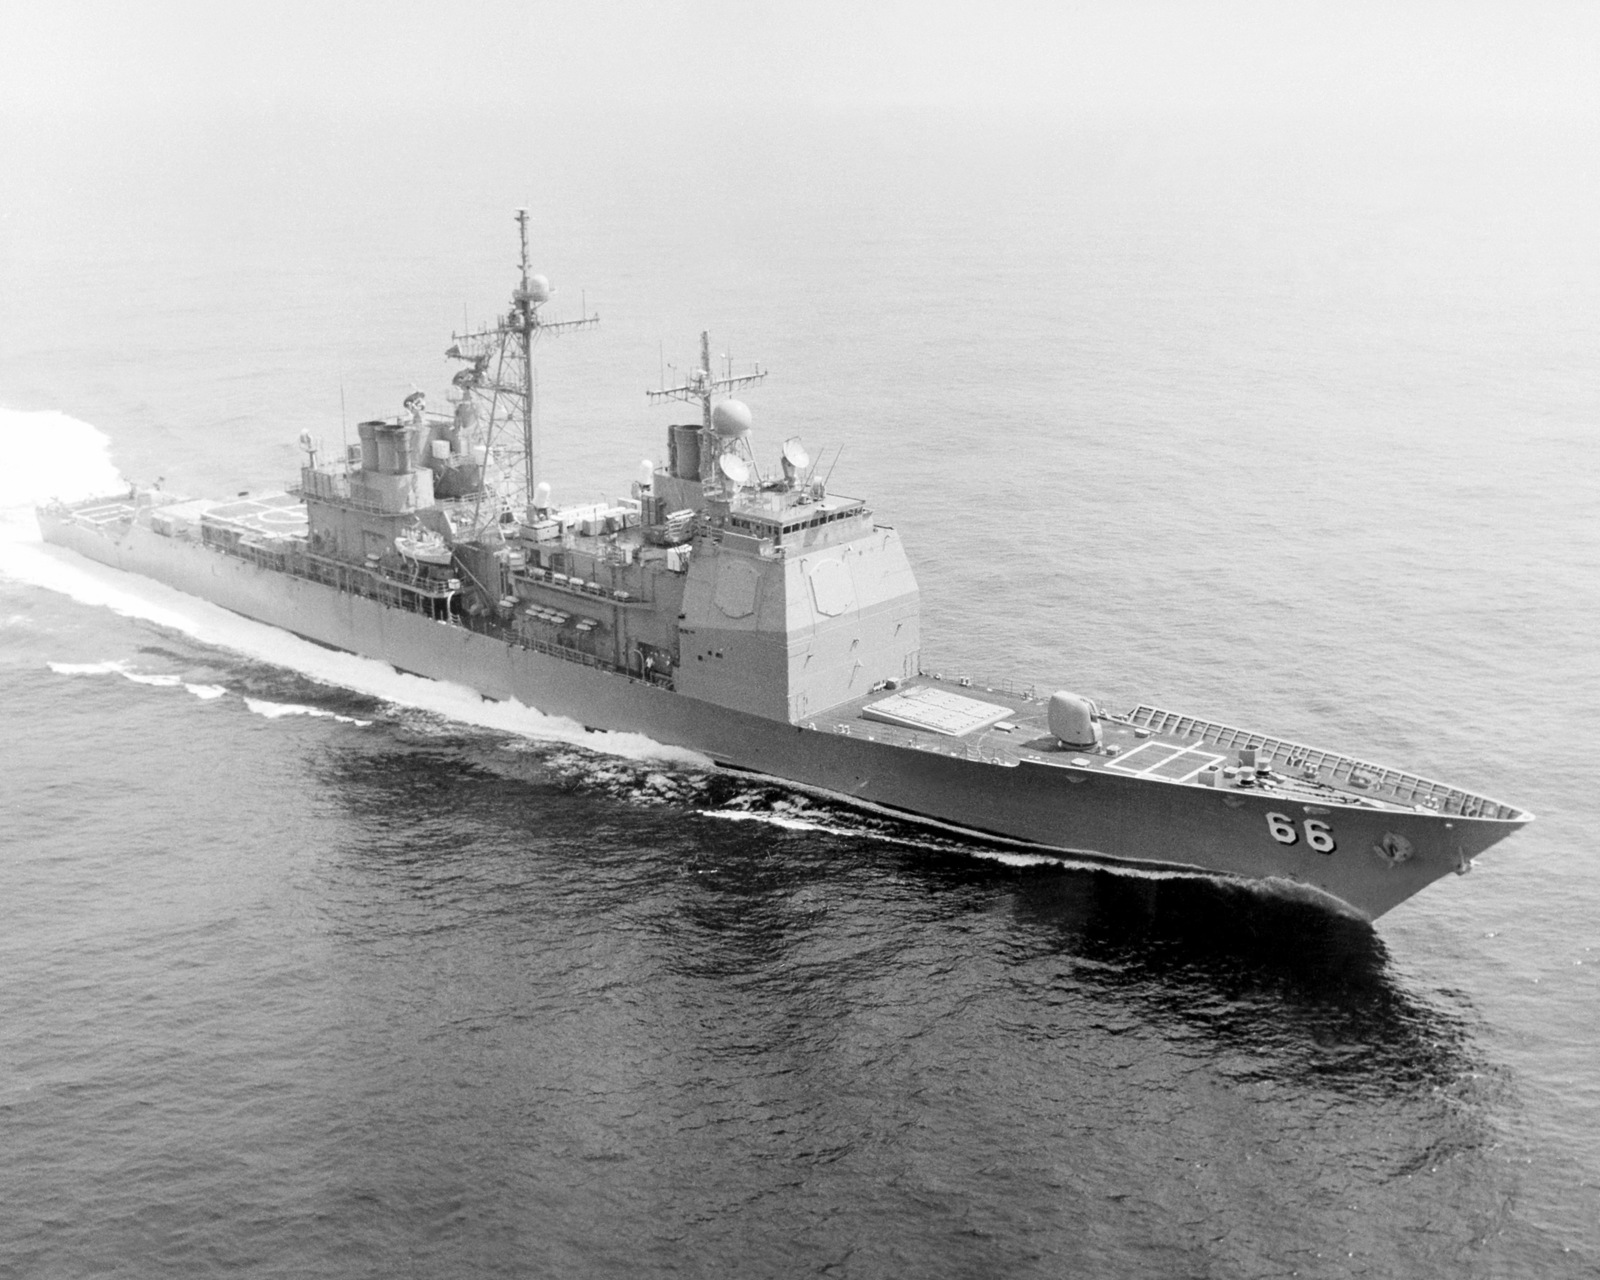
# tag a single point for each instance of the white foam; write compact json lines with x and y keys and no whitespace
{"x":782,"y":821}
{"x":67,"y":459}
{"x":206,"y":692}
{"x":278,"y":710}
{"x":160,"y":682}
{"x":77,"y":465}
{"x":113,"y":666}
{"x":783,"y":817}
{"x":120,"y":667}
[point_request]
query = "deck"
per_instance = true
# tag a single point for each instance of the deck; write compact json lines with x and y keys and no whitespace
{"x":1005,"y":725}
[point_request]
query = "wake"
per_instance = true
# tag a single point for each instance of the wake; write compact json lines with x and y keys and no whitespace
{"x":77,"y":465}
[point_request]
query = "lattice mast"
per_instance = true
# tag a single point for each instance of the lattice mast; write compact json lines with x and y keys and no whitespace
{"x":510,"y":340}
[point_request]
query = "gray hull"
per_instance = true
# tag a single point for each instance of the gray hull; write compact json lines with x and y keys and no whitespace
{"x":1092,"y":815}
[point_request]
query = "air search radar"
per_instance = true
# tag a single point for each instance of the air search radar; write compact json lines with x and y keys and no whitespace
{"x":731,"y":419}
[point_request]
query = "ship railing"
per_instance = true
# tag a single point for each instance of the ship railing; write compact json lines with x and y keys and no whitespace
{"x":428,"y":595}
{"x":386,"y":590}
{"x":1406,"y":787}
{"x":337,"y":573}
{"x":346,"y":495}
{"x":1014,"y":688}
{"x":488,"y":626}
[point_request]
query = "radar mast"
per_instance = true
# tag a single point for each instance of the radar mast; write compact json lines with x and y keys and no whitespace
{"x":699,"y":384}
{"x":499,"y":357}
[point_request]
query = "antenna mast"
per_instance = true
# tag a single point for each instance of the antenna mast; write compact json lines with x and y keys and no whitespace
{"x":511,"y":339}
{"x":525,"y":315}
{"x":699,"y":385}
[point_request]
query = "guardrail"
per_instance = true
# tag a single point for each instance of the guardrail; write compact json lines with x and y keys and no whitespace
{"x":1355,"y":773}
{"x":1026,"y":690}
{"x":358,"y":580}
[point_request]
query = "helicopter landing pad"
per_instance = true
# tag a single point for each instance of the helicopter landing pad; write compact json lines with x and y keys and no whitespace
{"x":272,"y":515}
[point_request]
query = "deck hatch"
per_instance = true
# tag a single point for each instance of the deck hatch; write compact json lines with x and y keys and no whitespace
{"x":937,"y":710}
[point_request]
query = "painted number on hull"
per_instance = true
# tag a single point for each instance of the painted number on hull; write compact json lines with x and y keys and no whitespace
{"x":1318,"y":837}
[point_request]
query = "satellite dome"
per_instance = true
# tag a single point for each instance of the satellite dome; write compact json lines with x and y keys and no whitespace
{"x":538,"y":289}
{"x":731,"y":419}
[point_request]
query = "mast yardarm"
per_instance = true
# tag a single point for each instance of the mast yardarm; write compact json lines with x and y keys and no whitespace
{"x":700,"y":385}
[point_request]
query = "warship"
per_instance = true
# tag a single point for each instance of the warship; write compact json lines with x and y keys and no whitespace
{"x":756,"y":617}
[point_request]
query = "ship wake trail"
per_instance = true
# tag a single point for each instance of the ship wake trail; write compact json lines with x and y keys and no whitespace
{"x":119,"y":667}
{"x":205,"y":692}
{"x":78,"y":466}
{"x":637,"y":783}
{"x":278,"y":710}
{"x":794,"y":810}
{"x":723,"y":797}
{"x":791,"y":810}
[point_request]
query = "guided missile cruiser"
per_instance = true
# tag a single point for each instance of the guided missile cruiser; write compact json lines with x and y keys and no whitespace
{"x":731,"y":603}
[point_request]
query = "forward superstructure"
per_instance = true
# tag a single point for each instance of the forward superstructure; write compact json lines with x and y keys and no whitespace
{"x":753,"y":615}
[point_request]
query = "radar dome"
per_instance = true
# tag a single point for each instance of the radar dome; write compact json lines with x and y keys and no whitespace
{"x":538,"y":289}
{"x":731,"y":419}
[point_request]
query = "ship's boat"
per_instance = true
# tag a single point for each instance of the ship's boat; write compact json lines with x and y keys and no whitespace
{"x":424,"y":547}
{"x":759,"y":618}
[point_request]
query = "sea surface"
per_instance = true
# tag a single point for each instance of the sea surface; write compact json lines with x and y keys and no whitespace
{"x":314,"y":969}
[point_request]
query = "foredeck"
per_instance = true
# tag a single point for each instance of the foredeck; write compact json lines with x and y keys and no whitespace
{"x":1006,"y":725}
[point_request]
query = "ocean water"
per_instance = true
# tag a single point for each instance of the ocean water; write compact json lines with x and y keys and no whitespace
{"x":311,"y":968}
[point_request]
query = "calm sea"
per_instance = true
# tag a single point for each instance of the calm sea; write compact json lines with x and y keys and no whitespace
{"x":312,"y":969}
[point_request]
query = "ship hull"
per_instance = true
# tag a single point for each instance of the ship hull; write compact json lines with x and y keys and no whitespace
{"x":1091,"y":815}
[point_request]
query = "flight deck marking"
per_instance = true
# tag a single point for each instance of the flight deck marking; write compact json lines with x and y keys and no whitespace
{"x":1174,"y":764}
{"x":1161,"y":749}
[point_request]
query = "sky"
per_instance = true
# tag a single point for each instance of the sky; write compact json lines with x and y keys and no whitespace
{"x":359,"y":60}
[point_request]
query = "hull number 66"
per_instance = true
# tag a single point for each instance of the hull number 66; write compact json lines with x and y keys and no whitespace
{"x":1318,"y":837}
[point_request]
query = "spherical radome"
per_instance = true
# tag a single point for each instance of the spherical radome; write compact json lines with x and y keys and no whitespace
{"x":731,"y":419}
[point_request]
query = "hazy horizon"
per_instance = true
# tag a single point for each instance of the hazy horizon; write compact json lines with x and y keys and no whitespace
{"x":365,"y":61}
